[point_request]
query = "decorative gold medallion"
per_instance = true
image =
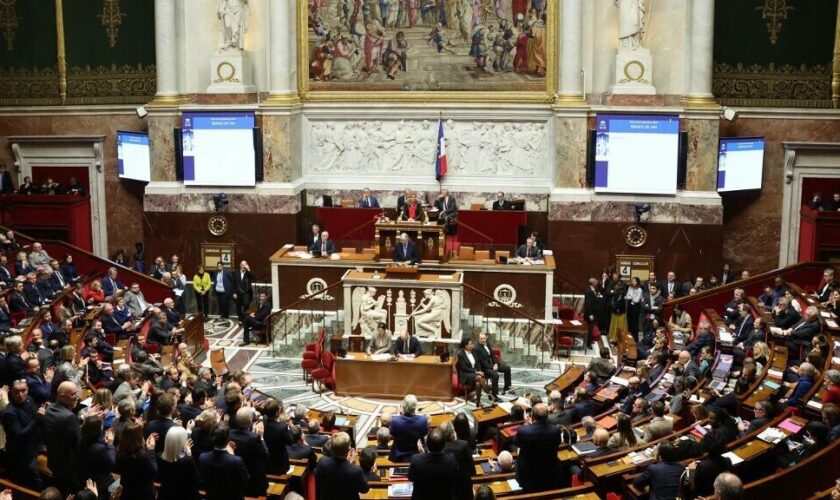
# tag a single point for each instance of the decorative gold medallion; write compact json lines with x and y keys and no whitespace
{"x":217,"y":225}
{"x":635,"y":236}
{"x":634,"y":70}
{"x":226,"y":72}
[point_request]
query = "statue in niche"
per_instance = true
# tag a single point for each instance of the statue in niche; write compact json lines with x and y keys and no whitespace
{"x":631,"y":23}
{"x":234,"y":16}
{"x":431,"y":312}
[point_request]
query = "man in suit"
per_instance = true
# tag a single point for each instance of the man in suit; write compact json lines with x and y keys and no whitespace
{"x":407,"y":344}
{"x":368,"y":200}
{"x":730,"y":310}
{"x":18,"y":302}
{"x":491,"y":366}
{"x":685,"y":366}
{"x":462,"y":453}
{"x":313,"y":437}
{"x":96,"y":336}
{"x":39,"y":387}
{"x":704,"y":338}
{"x":652,"y":280}
{"x":48,"y":328}
{"x":402,"y":200}
{"x":162,"y":423}
{"x":652,"y":303}
{"x":595,"y":309}
{"x":801,"y":334}
{"x":744,"y":325}
{"x":61,"y":436}
{"x":784,"y":315}
{"x":135,"y":301}
{"x":406,"y":429}
{"x":223,"y":287}
{"x":827,"y":285}
{"x":435,"y":473}
{"x":6,"y":185}
{"x":659,"y":426}
{"x":32,"y":291}
{"x":316,"y":233}
{"x":224,"y":474}
{"x":663,"y":477}
{"x":299,"y":449}
{"x":39,"y":257}
{"x":447,"y":208}
{"x":111,"y":284}
{"x":469,"y":369}
{"x":111,"y":325}
{"x":412,"y":210}
{"x":168,"y":308}
{"x":758,"y":334}
{"x":537,"y":466}
{"x":56,"y":279}
{"x":257,"y":319}
{"x":529,"y":250}
{"x":323,"y":246}
{"x":242,"y":292}
{"x":277,"y":437}
{"x":252,"y":450}
{"x":671,"y":285}
{"x":406,"y":251}
{"x":501,"y":203}
{"x":23,"y":436}
{"x":161,"y":331}
{"x":338,"y":477}
{"x":5,"y":273}
{"x":601,"y":368}
{"x":727,"y":275}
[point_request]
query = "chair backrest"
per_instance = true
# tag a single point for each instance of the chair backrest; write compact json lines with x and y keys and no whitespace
{"x":356,"y":342}
{"x":439,"y":347}
{"x":217,"y":361}
{"x":466,"y":253}
{"x":502,"y":253}
{"x":482,"y":255}
{"x":327,"y":360}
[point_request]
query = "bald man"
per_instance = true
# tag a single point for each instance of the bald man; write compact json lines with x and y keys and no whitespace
{"x":537,"y":466}
{"x":61,"y":436}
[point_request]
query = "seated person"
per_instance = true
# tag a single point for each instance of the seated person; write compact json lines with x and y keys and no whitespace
{"x":469,"y":369}
{"x":602,"y":367}
{"x":641,"y":409}
{"x":529,"y":250}
{"x":168,"y":308}
{"x":412,"y":211}
{"x":111,"y":284}
{"x":406,"y":250}
{"x":121,"y":312}
{"x":367,"y":461}
{"x":624,"y":435}
{"x":704,"y":338}
{"x":94,"y":293}
{"x":501,"y":203}
{"x":95,"y":337}
{"x":33,"y":292}
{"x":368,"y":200}
{"x":784,"y":316}
{"x":807,"y":375}
{"x":111,"y":325}
{"x":730,"y":310}
{"x":135,"y":301}
{"x":707,"y":357}
{"x":380,"y":342}
{"x":763,"y":412}
{"x":407,"y":344}
{"x":323,"y":246}
{"x":827,"y":284}
{"x":798,"y":337}
{"x":161,"y":332}
{"x":664,"y":476}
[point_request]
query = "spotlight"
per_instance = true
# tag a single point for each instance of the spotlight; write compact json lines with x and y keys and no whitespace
{"x":729,"y":113}
{"x":641,"y":210}
{"x":219,"y":201}
{"x":141,"y":112}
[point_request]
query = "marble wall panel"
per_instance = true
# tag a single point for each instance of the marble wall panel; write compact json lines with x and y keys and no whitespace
{"x":162,"y":154}
{"x":570,"y":151}
{"x":623,"y":211}
{"x":278,"y":148}
{"x":701,"y":167}
{"x":388,"y":198}
{"x":241,"y":203}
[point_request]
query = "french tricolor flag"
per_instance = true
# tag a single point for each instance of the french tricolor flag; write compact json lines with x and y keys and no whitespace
{"x":440,"y":157}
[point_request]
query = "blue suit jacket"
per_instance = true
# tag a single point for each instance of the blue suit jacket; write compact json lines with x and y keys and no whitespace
{"x":227,"y":281}
{"x":537,"y":466}
{"x":402,"y":254}
{"x":337,"y":479}
{"x":315,"y":247}
{"x":406,"y":430}
{"x":225,"y":476}
{"x":111,"y":287}
{"x":372,"y":202}
{"x":663,"y":479}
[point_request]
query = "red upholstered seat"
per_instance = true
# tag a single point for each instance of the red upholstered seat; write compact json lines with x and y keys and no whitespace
{"x":326,"y":374}
{"x":563,"y":343}
{"x":152,"y":348}
{"x":457,"y":388}
{"x":311,"y":361}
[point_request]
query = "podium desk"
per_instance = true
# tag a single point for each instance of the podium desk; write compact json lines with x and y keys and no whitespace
{"x":427,"y":236}
{"x":424,"y":376}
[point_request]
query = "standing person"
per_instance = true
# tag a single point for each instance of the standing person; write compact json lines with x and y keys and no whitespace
{"x":434,"y":474}
{"x":537,"y":466}
{"x":242,"y":292}
{"x":136,"y":464}
{"x":276,"y":436}
{"x":23,"y":436}
{"x":96,"y":453}
{"x":406,"y":429}
{"x":338,"y":477}
{"x":223,"y":288}
{"x":61,"y":436}
{"x":618,"y":309}
{"x":594,"y":309}
{"x":634,"y":298}
{"x":202,"y":285}
{"x":177,"y":472}
{"x":225,"y":475}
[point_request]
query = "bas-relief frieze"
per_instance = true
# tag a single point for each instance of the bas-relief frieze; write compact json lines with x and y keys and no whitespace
{"x":473,"y":148}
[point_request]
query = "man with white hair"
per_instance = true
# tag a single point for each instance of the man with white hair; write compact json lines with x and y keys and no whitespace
{"x":406,"y":250}
{"x":61,"y":435}
{"x":728,"y":486}
{"x":800,"y":335}
{"x":505,"y":461}
{"x":247,"y":436}
{"x":730,"y":310}
{"x":39,"y":257}
{"x":406,"y":429}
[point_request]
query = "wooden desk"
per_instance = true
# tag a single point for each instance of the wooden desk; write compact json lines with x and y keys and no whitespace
{"x":484,"y":418}
{"x":424,"y":376}
{"x":564,"y":382}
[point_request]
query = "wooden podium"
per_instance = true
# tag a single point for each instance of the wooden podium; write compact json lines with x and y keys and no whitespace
{"x":427,"y":237}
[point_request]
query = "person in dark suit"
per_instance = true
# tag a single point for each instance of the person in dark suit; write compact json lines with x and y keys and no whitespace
{"x":595,"y":309}
{"x":277,"y":437}
{"x":61,"y":436}
{"x":730,"y":310}
{"x":323,"y":246}
{"x":6,"y":186}
{"x":537,"y":466}
{"x":23,"y":436}
{"x":111,"y":283}
{"x":48,"y":329}
{"x":338,"y":477}
{"x":784,"y":315}
{"x":367,"y":461}
{"x":402,"y":201}
{"x":13,"y":367}
{"x":313,"y":437}
{"x":5,"y":273}
{"x":407,"y":344}
{"x":18,"y":301}
{"x":5,"y":316}
{"x":583,"y":406}
{"x":744,"y":325}
{"x":529,"y":250}
{"x":223,"y":288}
{"x":704,"y":338}
{"x":224,"y":474}
{"x":406,"y":250}
{"x":299,"y":449}
{"x":39,"y":388}
{"x":799,"y":336}
{"x":435,"y":474}
{"x":462,"y":453}
{"x":501,"y":203}
{"x":368,"y":200}
{"x":826,"y":286}
{"x":242,"y":291}
{"x":161,"y":424}
{"x":412,"y":210}
{"x":56,"y":279}
{"x":406,"y":429}
{"x":97,"y":455}
{"x":252,"y":450}
{"x":447,"y":211}
{"x":32,"y":291}
{"x":662,"y":477}
{"x":671,"y":285}
{"x":257,"y":319}
{"x":727,"y":275}
{"x":469,"y":369}
{"x":491,"y":366}
{"x":177,"y":470}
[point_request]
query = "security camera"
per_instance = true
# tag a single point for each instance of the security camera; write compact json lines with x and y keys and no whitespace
{"x":141,"y":112}
{"x":641,"y":210}
{"x":219,"y":201}
{"x":729,"y":113}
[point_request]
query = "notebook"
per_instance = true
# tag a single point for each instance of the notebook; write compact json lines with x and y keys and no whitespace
{"x":584,"y":447}
{"x":790,"y":426}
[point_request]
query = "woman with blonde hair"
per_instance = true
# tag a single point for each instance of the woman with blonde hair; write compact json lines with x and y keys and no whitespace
{"x":177,"y":472}
{"x":94,"y":293}
{"x":761,"y":353}
{"x":104,"y":399}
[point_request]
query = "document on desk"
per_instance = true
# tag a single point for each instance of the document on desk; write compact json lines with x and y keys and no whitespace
{"x":513,"y":484}
{"x":380,"y":357}
{"x":733,"y":457}
{"x":400,"y":490}
{"x":575,"y":322}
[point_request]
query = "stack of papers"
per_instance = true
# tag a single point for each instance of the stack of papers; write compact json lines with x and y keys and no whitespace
{"x":513,"y":484}
{"x":733,"y":457}
{"x":401,"y":490}
{"x":380,"y":357}
{"x":772,"y":435}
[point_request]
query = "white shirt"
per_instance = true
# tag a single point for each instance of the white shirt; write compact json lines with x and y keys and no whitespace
{"x":220,"y":283}
{"x":471,"y":358}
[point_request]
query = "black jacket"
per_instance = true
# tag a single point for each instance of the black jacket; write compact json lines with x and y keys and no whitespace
{"x":337,"y":479}
{"x":253,"y":452}
{"x":225,"y":476}
{"x":462,"y":453}
{"x":537,"y":466}
{"x":61,"y":436}
{"x":435,"y":476}
{"x":484,"y":359}
{"x":23,"y":431}
{"x":277,"y":437}
{"x":413,"y":346}
{"x":178,"y":480}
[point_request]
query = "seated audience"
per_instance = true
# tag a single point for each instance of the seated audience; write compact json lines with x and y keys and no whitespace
{"x":624,"y":435}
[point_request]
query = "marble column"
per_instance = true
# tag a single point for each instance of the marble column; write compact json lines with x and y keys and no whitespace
{"x":283,"y":52}
{"x":571,"y":52}
{"x":165,"y":50}
{"x":701,"y":45}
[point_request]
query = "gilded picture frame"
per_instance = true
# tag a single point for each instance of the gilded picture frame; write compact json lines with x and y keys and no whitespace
{"x":526,"y":86}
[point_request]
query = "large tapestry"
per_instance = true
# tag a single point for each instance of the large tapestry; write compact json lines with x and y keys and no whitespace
{"x":97,"y":52}
{"x":421,"y":49}
{"x":774,"y":52}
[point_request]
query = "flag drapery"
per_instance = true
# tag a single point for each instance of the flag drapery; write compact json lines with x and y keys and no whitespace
{"x":440,"y":157}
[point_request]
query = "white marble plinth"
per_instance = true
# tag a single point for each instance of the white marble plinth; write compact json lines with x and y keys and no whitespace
{"x":633,"y":72}
{"x":230,"y":73}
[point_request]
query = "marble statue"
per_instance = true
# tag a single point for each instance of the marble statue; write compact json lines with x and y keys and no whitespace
{"x":432,"y":311}
{"x":234,"y":16}
{"x":631,"y":22}
{"x":367,"y":310}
